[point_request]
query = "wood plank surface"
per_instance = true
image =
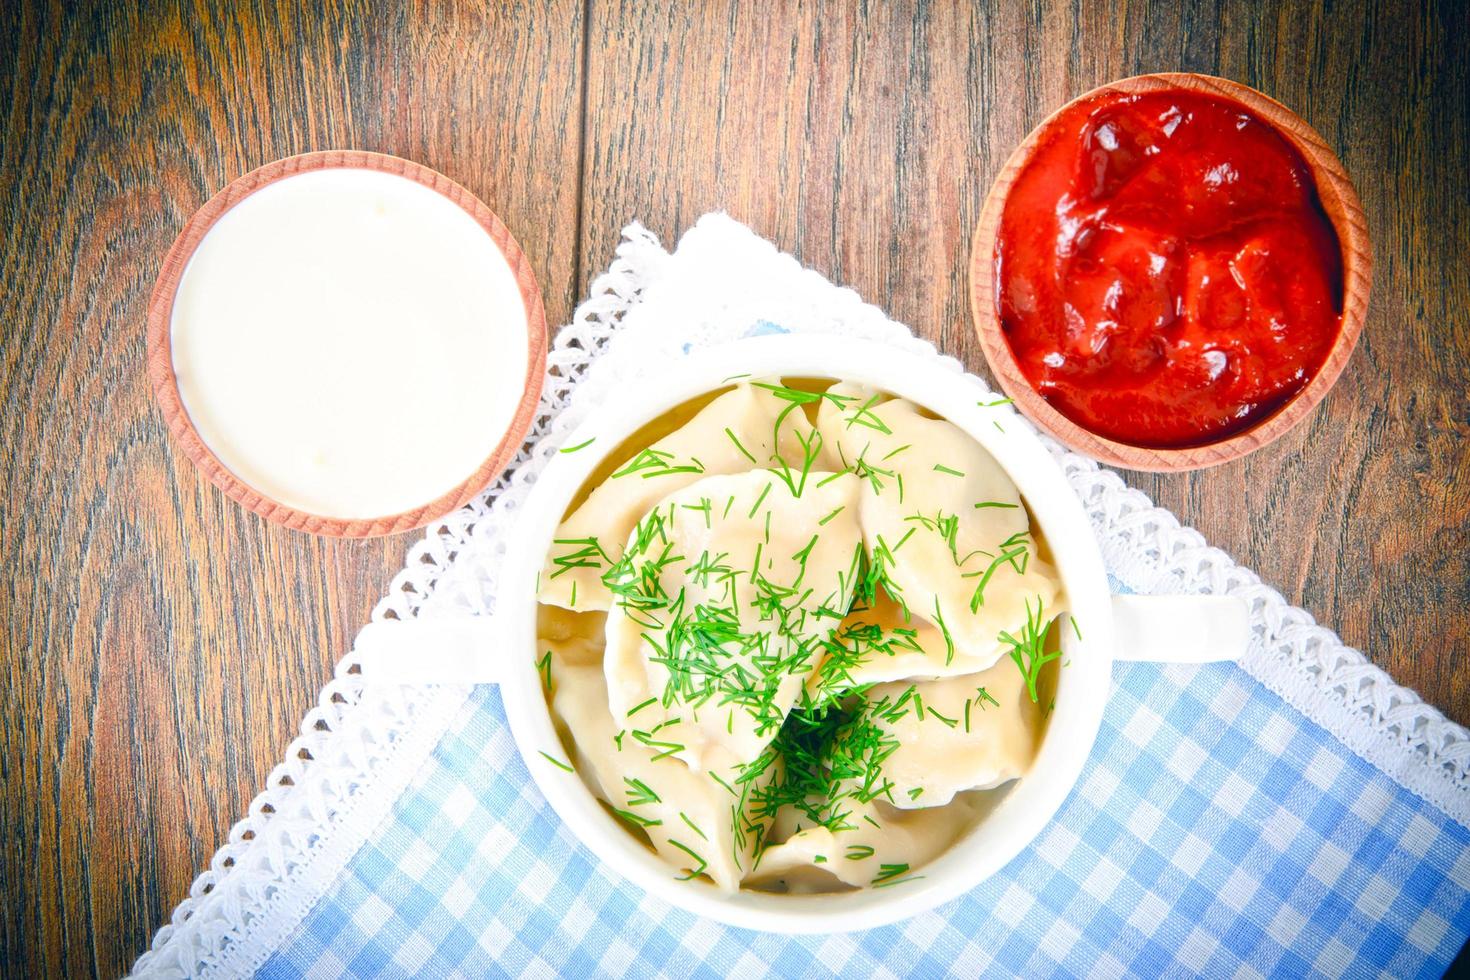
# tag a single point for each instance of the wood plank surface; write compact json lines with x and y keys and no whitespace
{"x":160,"y":645}
{"x":863,"y":140}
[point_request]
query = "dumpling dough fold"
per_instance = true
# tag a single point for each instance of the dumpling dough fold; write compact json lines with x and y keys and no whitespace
{"x":696,"y":822}
{"x":976,"y":731}
{"x":942,"y":519}
{"x":735,"y":432}
{"x":729,"y":588}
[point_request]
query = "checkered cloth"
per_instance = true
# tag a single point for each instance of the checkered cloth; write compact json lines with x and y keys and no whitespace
{"x":1215,"y":831}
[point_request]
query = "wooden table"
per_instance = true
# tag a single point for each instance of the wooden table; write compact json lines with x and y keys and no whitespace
{"x":161,"y":645}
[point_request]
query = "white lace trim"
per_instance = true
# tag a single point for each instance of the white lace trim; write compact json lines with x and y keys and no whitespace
{"x":360,"y":746}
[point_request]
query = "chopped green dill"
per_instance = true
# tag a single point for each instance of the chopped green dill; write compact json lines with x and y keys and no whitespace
{"x":797,"y":396}
{"x":995,"y":503}
{"x":580,"y":445}
{"x":951,"y":722}
{"x":941,"y":468}
{"x":759,"y":500}
{"x":895,"y":881}
{"x":557,"y":762}
{"x":1075,"y":628}
{"x":828,"y":479}
{"x":865,"y":416}
{"x":819,"y":859}
{"x":543,"y":665}
{"x":875,"y":475}
{"x":997,"y":403}
{"x":981,"y":694}
{"x":1029,"y":651}
{"x":857,"y":852}
{"x":998,"y":426}
{"x":668,"y":748}
{"x":703,"y":507}
{"x":735,"y":377}
{"x":640,"y":792}
{"x":944,"y":630}
{"x":693,"y":872}
{"x":572,"y":602}
{"x":811,"y":448}
{"x":640,"y":706}
{"x":916,"y":792}
{"x":652,"y":462}
{"x":618,"y":739}
{"x":886,"y":871}
{"x":833,"y":755}
{"x":948,"y":528}
{"x":873,"y":575}
{"x":839,"y":509}
{"x":738,"y":445}
{"x":1013,"y":552}
{"x":637,"y":819}
{"x":684,"y":817}
{"x":728,"y":788}
{"x":584,"y":553}
{"x":801,"y":558}
{"x":896,"y":452}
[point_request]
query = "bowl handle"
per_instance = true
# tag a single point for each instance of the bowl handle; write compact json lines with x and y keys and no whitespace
{"x":440,"y":650}
{"x":456,"y":649}
{"x":1182,"y":629}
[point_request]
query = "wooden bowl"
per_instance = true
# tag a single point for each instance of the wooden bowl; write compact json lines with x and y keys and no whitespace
{"x":186,"y":437}
{"x":1343,"y":209}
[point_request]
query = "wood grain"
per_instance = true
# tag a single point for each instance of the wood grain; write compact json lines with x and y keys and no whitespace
{"x":161,"y":644}
{"x":863,"y":139}
{"x":1340,"y":202}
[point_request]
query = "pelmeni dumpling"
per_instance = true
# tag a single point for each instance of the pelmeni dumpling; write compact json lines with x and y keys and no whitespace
{"x":876,"y":845}
{"x":727,"y":589}
{"x":735,"y":432}
{"x":977,"y":731}
{"x":941,"y":519}
{"x":577,"y":638}
{"x":798,"y":643}
{"x":694,"y":821}
{"x":878,"y":643}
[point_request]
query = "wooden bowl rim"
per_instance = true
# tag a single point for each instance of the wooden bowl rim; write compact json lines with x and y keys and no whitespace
{"x":1340,"y":202}
{"x":165,"y":383}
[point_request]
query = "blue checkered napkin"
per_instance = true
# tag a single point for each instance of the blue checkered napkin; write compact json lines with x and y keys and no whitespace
{"x":1215,"y":831}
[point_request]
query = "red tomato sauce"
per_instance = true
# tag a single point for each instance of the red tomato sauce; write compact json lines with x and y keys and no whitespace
{"x":1165,"y":273}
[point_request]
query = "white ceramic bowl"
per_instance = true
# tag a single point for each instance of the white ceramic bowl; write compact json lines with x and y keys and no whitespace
{"x":1083,"y":684}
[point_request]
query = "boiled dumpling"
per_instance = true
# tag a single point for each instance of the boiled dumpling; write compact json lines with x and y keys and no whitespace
{"x":576,"y":637}
{"x":943,"y":522}
{"x":699,"y":822}
{"x":876,"y":845}
{"x":977,"y":731}
{"x":727,"y":589}
{"x":878,"y":643}
{"x":737,"y":431}
{"x":795,"y":642}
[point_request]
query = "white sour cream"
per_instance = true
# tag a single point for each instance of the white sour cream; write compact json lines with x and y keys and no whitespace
{"x":349,"y":343}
